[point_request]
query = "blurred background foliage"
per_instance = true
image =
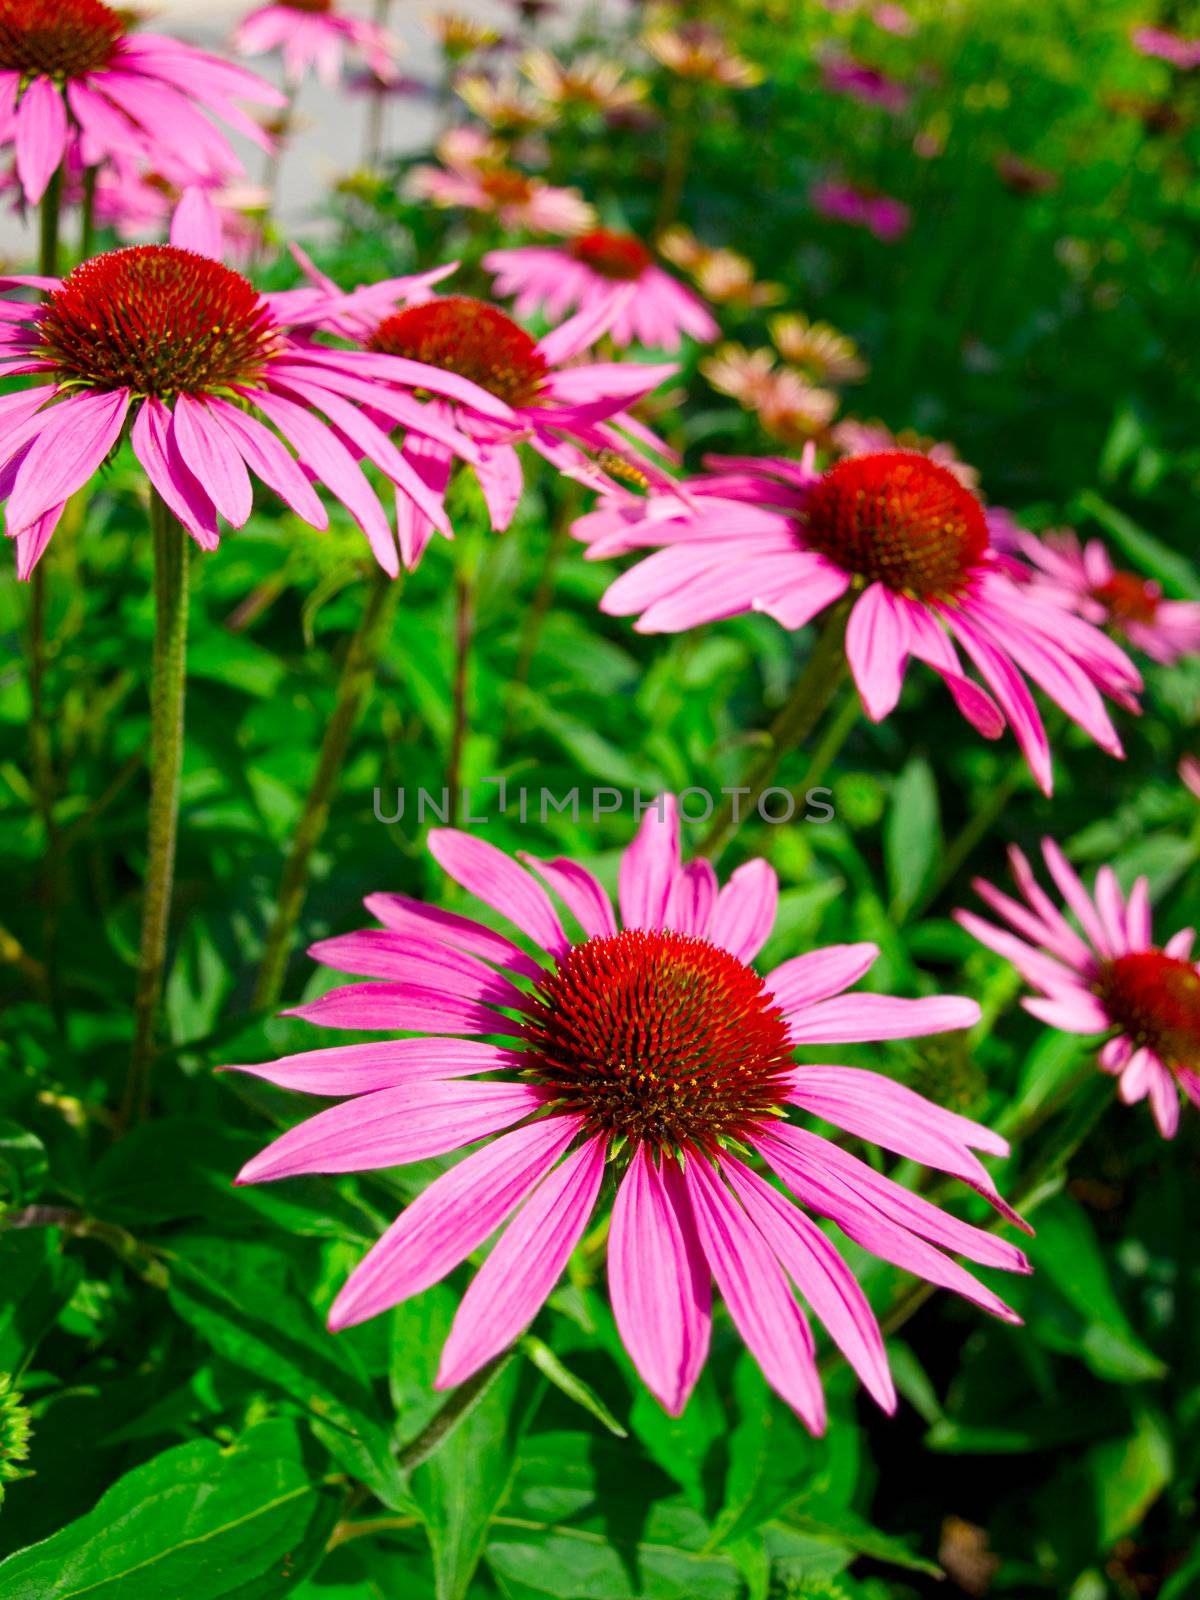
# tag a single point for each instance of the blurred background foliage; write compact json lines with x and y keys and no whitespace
{"x":194,"y":1430}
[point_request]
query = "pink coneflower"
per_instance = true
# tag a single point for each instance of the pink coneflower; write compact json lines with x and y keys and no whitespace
{"x":880,"y":214}
{"x":702,"y":55}
{"x":648,"y":1046}
{"x":589,"y":82}
{"x":213,"y":381}
{"x":1181,"y":53}
{"x":893,"y":19}
{"x":902,"y":536}
{"x":844,"y":75}
{"x":593,"y":273}
{"x":313,"y":37}
{"x":558,"y":406}
{"x":1109,"y":978}
{"x":1083,"y":578}
{"x":71,"y":73}
{"x":475,"y":174}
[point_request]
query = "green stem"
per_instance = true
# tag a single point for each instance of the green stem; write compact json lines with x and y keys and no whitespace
{"x":535,"y":618}
{"x":354,"y":686}
{"x":811,"y":694}
{"x":464,"y":1400}
{"x":87,"y":217}
{"x":49,"y":215}
{"x":682,"y":137}
{"x":969,"y":838}
{"x":166,"y":760}
{"x":464,"y":628}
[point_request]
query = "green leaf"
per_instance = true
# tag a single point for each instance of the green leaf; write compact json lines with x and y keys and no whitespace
{"x":851,"y":1533}
{"x":246,"y":1523}
{"x":912,"y":837}
{"x":773,"y":1459}
{"x":23,"y":1163}
{"x":563,"y":1379}
{"x":37,"y":1282}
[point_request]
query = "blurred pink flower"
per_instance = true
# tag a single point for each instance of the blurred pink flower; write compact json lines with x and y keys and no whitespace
{"x":213,"y":381}
{"x":1189,"y":774}
{"x":886,"y":218}
{"x":312,"y":36}
{"x":902,"y":536}
{"x":648,"y":1046}
{"x":842,"y":74}
{"x":73,"y":76}
{"x":1083,"y":578}
{"x":561,"y":407}
{"x":594,"y":272}
{"x":1181,"y":53}
{"x":474,"y":174}
{"x":137,"y":204}
{"x":1110,"y":978}
{"x":893,"y":19}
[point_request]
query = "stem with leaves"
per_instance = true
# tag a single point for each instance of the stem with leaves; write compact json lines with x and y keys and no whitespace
{"x":811,"y":694}
{"x":166,"y":761}
{"x":354,"y":686}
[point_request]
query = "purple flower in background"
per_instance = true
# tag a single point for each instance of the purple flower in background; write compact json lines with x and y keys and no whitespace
{"x":888,"y":219}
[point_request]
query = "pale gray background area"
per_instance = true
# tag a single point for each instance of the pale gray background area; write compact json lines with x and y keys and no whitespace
{"x":331,"y":138}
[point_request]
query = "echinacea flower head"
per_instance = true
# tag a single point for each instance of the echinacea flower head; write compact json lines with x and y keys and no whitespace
{"x":476,"y":175}
{"x":569,"y":411}
{"x":826,"y":355}
{"x":888,"y":219}
{"x":854,"y":437}
{"x":461,"y":36}
{"x":73,"y":76}
{"x":1083,"y":577}
{"x":723,"y":276}
{"x":213,"y":381}
{"x":593,"y":272}
{"x":589,"y":82}
{"x":646,"y":1046}
{"x":789,"y":407}
{"x":898,"y":540}
{"x":702,"y":55}
{"x":1166,"y":46}
{"x":504,"y":105}
{"x":1104,"y":976}
{"x":313,"y":37}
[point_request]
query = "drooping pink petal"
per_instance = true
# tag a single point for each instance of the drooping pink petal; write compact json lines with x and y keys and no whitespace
{"x":393,"y":1127}
{"x":213,"y":459}
{"x":154,"y":446}
{"x":745,"y":912}
{"x":583,"y":895}
{"x":265,"y":454}
{"x":41,"y":138}
{"x":877,"y":649}
{"x":1076,"y":896}
{"x":820,"y":1274}
{"x":413,"y":917}
{"x":511,"y":1287}
{"x":646,"y":881}
{"x":499,"y":882}
{"x":31,"y":542}
{"x":859,"y":1018}
{"x":74,"y":438}
{"x":1076,"y":1012}
{"x":694,"y":900}
{"x":1164,"y":1101}
{"x":451,"y":1218}
{"x":351,"y":1069}
{"x":658,"y":1280}
{"x":756,"y":1292}
{"x":820,"y":974}
{"x":196,"y":225}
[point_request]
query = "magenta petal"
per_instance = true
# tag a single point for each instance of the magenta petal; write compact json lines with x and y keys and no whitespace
{"x":41,"y":140}
{"x":380,"y":953}
{"x":424,"y":922}
{"x":820,"y":1274}
{"x":451,"y":1218}
{"x":31,"y":542}
{"x":694,"y":900}
{"x":407,"y":1007}
{"x":499,"y":882}
{"x":350,"y":1069}
{"x":584,"y":897}
{"x":862,"y":1018}
{"x":857,"y":1085}
{"x":646,"y":881}
{"x":74,"y":439}
{"x":154,"y":446}
{"x":820,"y":974}
{"x":196,"y":226}
{"x":511,"y":1287}
{"x":392,"y":1127}
{"x":745,"y":912}
{"x":213,"y":458}
{"x":658,"y":1280}
{"x":266,"y":455}
{"x":876,"y":649}
{"x":757,"y":1293}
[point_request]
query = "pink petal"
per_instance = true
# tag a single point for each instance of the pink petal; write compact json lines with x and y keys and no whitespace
{"x":413,"y":917}
{"x":74,"y":439}
{"x":154,"y":446}
{"x":1076,"y":1012}
{"x":31,"y":542}
{"x":213,"y":459}
{"x":649,"y":866}
{"x":1076,"y":896}
{"x":511,"y":1287}
{"x":746,"y":909}
{"x":401,"y":1007}
{"x":584,"y":897}
{"x":380,"y":953}
{"x":694,"y":900}
{"x":392,"y":1127}
{"x":820,"y":1274}
{"x":265,"y":454}
{"x":499,"y":882}
{"x":862,"y":1018}
{"x":820,"y":974}
{"x":757,"y":1294}
{"x":41,"y":140}
{"x":451,"y":1218}
{"x":658,"y":1280}
{"x":802,"y":603}
{"x":196,"y":226}
{"x":351,"y":1069}
{"x":876,"y":649}
{"x":1164,"y":1102}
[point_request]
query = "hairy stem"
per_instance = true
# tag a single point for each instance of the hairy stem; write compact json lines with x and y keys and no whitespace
{"x":354,"y":687}
{"x":812,"y":692}
{"x":166,"y":760}
{"x":464,"y":628}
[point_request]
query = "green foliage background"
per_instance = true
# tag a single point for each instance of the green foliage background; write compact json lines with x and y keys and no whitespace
{"x":195,"y":1431}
